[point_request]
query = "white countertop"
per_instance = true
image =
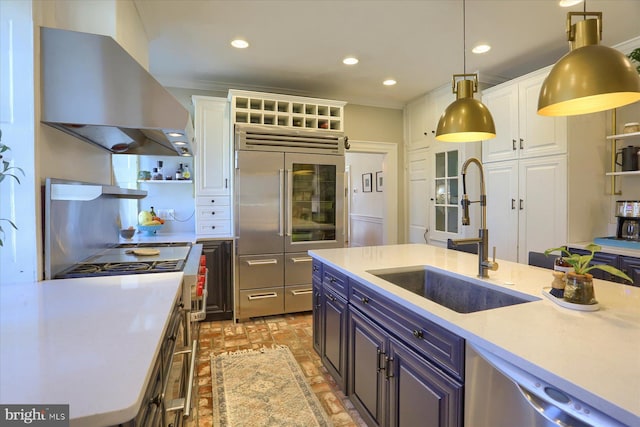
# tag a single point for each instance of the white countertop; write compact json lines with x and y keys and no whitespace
{"x":89,"y":343}
{"x":594,"y":356}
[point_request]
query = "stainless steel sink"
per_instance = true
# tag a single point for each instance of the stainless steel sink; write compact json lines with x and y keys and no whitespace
{"x":459,"y":294}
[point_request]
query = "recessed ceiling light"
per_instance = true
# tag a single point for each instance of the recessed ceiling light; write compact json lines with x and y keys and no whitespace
{"x":569,"y":3}
{"x":389,"y":82}
{"x":175,"y":134}
{"x":239,"y":43}
{"x":350,"y":60}
{"x":481,"y":48}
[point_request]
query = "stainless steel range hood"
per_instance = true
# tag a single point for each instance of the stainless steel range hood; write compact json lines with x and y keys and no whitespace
{"x":93,"y":89}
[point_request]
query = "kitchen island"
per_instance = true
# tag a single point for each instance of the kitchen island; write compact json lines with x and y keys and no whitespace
{"x":594,"y":356}
{"x":89,"y":343}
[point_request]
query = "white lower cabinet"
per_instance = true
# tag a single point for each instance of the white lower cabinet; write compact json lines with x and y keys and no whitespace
{"x":526,"y":205}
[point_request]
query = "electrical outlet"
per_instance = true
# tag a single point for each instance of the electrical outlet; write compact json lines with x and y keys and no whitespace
{"x":166,"y":214}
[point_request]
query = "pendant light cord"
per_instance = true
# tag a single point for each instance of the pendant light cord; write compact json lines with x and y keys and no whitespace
{"x":464,"y":39}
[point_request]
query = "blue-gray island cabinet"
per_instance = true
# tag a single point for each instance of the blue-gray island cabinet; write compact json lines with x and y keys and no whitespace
{"x":397,"y":368}
{"x":405,"y":354}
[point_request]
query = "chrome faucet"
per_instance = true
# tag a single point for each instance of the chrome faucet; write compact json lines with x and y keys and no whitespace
{"x":484,"y":265}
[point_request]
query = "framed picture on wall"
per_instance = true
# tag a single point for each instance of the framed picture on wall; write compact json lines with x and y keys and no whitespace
{"x":379,"y":181}
{"x":366,"y":182}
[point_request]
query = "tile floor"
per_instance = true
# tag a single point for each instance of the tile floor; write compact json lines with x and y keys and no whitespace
{"x":293,"y":330}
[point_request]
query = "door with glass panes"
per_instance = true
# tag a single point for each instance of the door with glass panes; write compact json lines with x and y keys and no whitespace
{"x":446,"y":191}
{"x":445,"y":188}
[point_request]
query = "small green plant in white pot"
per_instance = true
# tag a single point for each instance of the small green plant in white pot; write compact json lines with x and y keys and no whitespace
{"x":579,"y":286}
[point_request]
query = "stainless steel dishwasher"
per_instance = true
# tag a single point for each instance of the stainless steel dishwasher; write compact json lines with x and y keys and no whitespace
{"x":499,"y":394}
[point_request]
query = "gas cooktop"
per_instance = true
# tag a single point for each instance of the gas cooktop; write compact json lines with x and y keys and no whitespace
{"x":121,"y":260}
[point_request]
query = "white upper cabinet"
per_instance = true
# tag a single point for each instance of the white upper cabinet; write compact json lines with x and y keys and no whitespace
{"x":213,"y":159}
{"x":418,"y":113}
{"x":520,"y":131}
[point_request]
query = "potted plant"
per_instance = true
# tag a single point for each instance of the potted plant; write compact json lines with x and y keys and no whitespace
{"x":579,"y":285}
{"x":7,"y":171}
{"x":635,"y":57}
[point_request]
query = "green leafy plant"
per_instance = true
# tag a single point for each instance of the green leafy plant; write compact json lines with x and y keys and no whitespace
{"x":635,"y":57}
{"x":7,"y":171}
{"x":582,"y":263}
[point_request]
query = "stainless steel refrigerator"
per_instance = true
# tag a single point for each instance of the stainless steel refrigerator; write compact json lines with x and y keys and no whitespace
{"x":289,"y":198}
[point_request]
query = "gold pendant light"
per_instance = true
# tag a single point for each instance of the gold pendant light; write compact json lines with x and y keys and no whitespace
{"x":466,"y":119}
{"x":590,"y":77}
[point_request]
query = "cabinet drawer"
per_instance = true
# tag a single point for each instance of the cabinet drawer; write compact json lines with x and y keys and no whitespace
{"x":435,"y":342}
{"x":260,"y":271}
{"x":298,"y":269}
{"x":213,"y":212}
{"x":298,"y":298}
{"x":213,"y":201}
{"x":214,"y":228}
{"x":335,"y":280}
{"x":260,"y":302}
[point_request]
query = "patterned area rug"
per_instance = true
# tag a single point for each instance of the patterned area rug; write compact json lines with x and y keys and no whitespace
{"x":263,"y":388}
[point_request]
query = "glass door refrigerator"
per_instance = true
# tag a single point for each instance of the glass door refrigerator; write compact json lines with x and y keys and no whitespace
{"x":289,"y":194}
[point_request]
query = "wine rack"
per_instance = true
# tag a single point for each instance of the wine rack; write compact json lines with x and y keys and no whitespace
{"x":286,"y":111}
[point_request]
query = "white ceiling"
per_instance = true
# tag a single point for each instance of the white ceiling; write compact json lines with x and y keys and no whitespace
{"x":297,"y":46}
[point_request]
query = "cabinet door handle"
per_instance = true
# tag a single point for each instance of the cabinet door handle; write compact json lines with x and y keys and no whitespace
{"x":380,"y":366}
{"x":301,"y":292}
{"x":513,"y":143}
{"x":315,"y":268}
{"x":213,"y":227}
{"x":332,"y":280}
{"x":213,"y":212}
{"x":521,"y":144}
{"x":364,"y":300}
{"x":513,"y":204}
{"x":318,"y":295}
{"x":521,"y":204}
{"x":213,"y":201}
{"x":301,"y":259}
{"x":418,"y":334}
{"x":226,"y":183}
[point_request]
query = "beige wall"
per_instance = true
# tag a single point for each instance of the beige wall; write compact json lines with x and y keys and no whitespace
{"x":364,"y":123}
{"x":375,"y":124}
